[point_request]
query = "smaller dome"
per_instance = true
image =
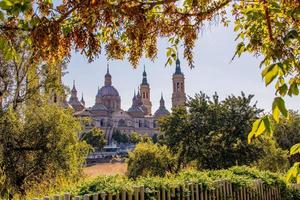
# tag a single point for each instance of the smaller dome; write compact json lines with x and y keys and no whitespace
{"x":108,"y":91}
{"x":161,"y":112}
{"x":136,"y":111}
{"x":99,"y":107}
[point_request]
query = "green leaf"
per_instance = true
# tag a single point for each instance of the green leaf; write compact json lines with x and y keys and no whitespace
{"x":259,"y":127}
{"x":279,"y":107}
{"x":293,"y":172}
{"x":295,"y":149}
{"x":270,"y":73}
{"x":6,"y":4}
{"x":294,"y":90}
{"x":283,"y":90}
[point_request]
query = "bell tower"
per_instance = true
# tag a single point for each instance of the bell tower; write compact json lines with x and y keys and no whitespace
{"x":145,"y":93}
{"x":178,"y":95}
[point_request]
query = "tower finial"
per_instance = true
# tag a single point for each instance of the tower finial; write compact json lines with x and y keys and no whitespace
{"x":107,"y":68}
{"x":74,"y":88}
{"x":144,"y":82}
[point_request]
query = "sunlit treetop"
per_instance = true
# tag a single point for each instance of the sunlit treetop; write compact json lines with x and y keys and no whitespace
{"x":121,"y":27}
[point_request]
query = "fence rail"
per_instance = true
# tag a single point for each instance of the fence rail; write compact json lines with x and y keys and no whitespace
{"x":223,"y":190}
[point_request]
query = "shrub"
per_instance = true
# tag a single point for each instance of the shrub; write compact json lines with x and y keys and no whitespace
{"x":150,"y":159}
{"x":238,"y":176}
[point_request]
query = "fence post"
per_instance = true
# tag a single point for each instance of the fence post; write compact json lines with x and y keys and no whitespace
{"x":192,"y":191}
{"x":123,"y":195}
{"x":96,"y":196}
{"x":56,"y":197}
{"x":163,"y":194}
{"x":86,"y":197}
{"x":103,"y":195}
{"x":136,"y":193}
{"x":110,"y":196}
{"x":142,"y":191}
{"x":67,"y":196}
{"x":129,"y":195}
{"x":77,"y":198}
{"x":169,"y":194}
{"x":46,"y":198}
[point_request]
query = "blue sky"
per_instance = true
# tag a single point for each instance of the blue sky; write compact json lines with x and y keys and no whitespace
{"x":213,"y":71}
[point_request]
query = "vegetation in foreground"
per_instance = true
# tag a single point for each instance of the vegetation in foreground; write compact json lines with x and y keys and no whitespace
{"x":240,"y":177}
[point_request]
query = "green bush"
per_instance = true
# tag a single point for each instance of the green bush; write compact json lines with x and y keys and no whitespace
{"x":150,"y":159}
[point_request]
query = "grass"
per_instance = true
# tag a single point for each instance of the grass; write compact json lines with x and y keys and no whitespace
{"x":105,"y":169}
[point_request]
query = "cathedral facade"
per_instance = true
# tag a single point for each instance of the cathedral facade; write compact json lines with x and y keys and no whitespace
{"x":108,"y":115}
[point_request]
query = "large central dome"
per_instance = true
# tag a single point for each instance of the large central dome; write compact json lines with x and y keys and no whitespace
{"x":108,"y":96}
{"x":108,"y":90}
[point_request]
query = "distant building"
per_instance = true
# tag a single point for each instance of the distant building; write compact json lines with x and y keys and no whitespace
{"x":108,"y":115}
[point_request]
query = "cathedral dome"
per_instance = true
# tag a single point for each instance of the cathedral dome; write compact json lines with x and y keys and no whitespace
{"x":108,"y":90}
{"x":136,"y":111}
{"x":99,"y":107}
{"x":161,"y":112}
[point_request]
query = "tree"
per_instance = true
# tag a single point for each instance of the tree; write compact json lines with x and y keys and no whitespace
{"x":212,"y":132}
{"x":38,"y":145}
{"x":150,"y":159}
{"x":274,"y":158}
{"x":120,"y":137}
{"x":287,"y":131}
{"x":135,"y":138}
{"x":120,"y":27}
{"x":94,"y":137}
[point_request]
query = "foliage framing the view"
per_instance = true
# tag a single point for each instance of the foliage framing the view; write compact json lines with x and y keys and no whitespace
{"x":121,"y":27}
{"x":270,"y":29}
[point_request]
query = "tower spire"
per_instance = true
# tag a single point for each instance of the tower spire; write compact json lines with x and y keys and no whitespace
{"x":107,"y":81}
{"x":82,"y":100}
{"x":107,"y":65}
{"x":177,"y":69}
{"x":162,"y":101}
{"x":145,"y":81}
{"x":74,"y":88}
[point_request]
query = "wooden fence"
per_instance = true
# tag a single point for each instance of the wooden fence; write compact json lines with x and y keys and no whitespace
{"x":223,"y":190}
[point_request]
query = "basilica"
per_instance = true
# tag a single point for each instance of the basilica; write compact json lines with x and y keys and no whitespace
{"x":108,"y":115}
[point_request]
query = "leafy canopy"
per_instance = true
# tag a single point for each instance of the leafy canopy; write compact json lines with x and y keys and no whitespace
{"x":212,"y":132}
{"x":121,"y":27}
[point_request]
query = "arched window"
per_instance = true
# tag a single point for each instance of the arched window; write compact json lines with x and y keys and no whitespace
{"x":140,"y":123}
{"x":147,"y":95}
{"x":144,"y":96}
{"x":102,"y":122}
{"x":181,"y":86}
{"x":154,"y":124}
